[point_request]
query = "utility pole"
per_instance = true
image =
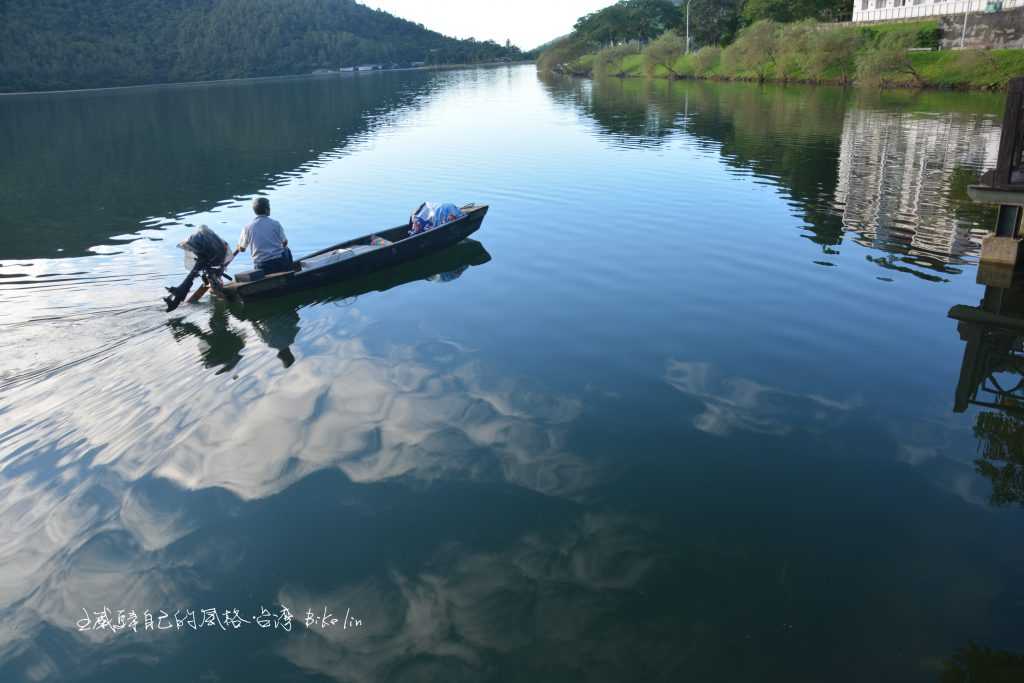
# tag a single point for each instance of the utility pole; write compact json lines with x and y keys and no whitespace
{"x":687,"y":26}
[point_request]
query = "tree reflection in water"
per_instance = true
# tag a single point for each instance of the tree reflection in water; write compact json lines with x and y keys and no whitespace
{"x":878,"y":170}
{"x":978,"y":664}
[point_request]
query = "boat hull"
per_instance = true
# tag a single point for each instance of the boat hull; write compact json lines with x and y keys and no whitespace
{"x":402,"y":249}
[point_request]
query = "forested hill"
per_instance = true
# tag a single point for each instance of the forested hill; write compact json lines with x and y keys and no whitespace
{"x":63,"y":44}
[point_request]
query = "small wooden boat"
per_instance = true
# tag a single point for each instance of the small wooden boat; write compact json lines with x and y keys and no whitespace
{"x":355,"y":258}
{"x":446,"y":264}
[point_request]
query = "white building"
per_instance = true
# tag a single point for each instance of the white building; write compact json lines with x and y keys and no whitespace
{"x":887,"y":10}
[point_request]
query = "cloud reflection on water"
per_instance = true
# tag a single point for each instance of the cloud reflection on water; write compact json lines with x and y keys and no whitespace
{"x":736,"y":404}
{"x":469,"y":610}
{"x":80,"y":531}
{"x":379,"y":418}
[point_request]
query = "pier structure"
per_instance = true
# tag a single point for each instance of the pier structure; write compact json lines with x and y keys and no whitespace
{"x":1002,"y":253}
{"x":992,"y":372}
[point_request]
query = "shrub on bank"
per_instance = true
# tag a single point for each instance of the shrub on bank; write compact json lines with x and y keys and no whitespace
{"x":889,"y":56}
{"x":561,"y":53}
{"x":610,"y":60}
{"x":664,"y":52}
{"x":833,"y":54}
{"x":584,"y":66}
{"x":754,"y":51}
{"x":706,"y":60}
{"x":923,"y":34}
{"x":879,"y":55}
{"x":794,"y":49}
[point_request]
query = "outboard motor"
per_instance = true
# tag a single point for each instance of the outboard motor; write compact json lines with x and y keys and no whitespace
{"x":206,"y":254}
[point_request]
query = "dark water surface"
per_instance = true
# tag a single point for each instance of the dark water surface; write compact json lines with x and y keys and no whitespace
{"x":685,"y":410}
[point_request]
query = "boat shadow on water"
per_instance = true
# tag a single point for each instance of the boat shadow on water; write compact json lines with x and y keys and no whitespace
{"x":277,"y":322}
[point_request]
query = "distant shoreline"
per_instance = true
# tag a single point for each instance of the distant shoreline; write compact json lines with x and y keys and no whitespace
{"x":833,"y":82}
{"x":222,"y":81}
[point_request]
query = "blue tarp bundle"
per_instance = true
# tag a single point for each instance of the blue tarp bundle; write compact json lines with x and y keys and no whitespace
{"x":430,"y":216}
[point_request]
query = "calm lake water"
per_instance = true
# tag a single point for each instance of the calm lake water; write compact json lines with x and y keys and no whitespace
{"x":684,"y":410}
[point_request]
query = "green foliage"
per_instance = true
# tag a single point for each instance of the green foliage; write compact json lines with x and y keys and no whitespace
{"x":914,"y":34}
{"x":948,"y":68}
{"x":536,"y":53}
{"x":785,"y":11}
{"x":929,"y":37}
{"x":627,"y":20}
{"x":1002,"y":444}
{"x":561,"y":53}
{"x":781,"y":11}
{"x":632,"y":65}
{"x":609,"y":60}
{"x":889,"y":56}
{"x":59,"y":44}
{"x":794,"y":48}
{"x":584,"y":66}
{"x":973,"y":60}
{"x":713,"y":22}
{"x":833,"y":52}
{"x":755,"y":50}
{"x":876,"y":55}
{"x":664,"y":52}
{"x":624,"y":22}
{"x":706,"y":59}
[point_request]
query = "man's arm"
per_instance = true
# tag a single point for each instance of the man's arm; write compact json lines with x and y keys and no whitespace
{"x":243,"y":240}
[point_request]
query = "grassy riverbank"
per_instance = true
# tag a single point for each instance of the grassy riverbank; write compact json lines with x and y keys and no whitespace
{"x":887,"y":55}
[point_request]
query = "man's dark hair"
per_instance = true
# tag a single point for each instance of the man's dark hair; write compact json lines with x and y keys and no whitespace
{"x":261,"y":205}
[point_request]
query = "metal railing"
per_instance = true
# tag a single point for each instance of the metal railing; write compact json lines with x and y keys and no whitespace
{"x":926,"y":9}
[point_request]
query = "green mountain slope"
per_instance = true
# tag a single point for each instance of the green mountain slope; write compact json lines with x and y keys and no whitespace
{"x":60,"y":44}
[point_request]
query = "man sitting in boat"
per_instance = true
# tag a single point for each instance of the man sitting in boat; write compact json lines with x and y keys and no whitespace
{"x":265,"y":238}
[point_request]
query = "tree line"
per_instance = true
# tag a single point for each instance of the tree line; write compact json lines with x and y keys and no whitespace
{"x":62,"y":44}
{"x":712,"y":23}
{"x":807,"y":51}
{"x":802,"y":50}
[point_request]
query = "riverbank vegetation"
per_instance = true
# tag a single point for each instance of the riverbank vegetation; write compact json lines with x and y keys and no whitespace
{"x":750,"y":44}
{"x":66,"y":44}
